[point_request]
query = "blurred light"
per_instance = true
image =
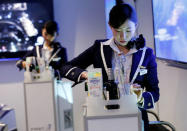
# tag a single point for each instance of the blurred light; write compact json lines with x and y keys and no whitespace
{"x":13,"y":6}
{"x":12,"y":47}
{"x":162,"y":31}
{"x":4,"y":48}
{"x":40,"y":21}
{"x":40,"y":39}
{"x":9,"y":59}
{"x":30,"y":48}
{"x":28,"y":25}
{"x":9,"y":15}
{"x":19,"y":6}
{"x":19,"y":40}
{"x":9,"y":6}
{"x":3,"y":7}
{"x":12,"y":34}
{"x":163,"y":35}
{"x":19,"y":44}
{"x":27,"y":38}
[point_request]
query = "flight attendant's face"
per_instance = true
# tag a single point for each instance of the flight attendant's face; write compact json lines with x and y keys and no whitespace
{"x":124,"y":33}
{"x":48,"y":37}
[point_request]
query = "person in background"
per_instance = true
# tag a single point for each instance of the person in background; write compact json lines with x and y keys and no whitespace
{"x":52,"y":52}
{"x":133,"y":63}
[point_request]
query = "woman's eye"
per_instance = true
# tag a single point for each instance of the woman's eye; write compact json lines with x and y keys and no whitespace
{"x":117,"y":30}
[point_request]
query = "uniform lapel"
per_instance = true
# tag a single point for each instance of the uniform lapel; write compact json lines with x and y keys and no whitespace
{"x":54,"y":46}
{"x":40,"y":50}
{"x":108,"y":55}
{"x":135,"y":61}
{"x":107,"y":50}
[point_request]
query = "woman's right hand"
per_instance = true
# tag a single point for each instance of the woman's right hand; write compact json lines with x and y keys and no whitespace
{"x":24,"y":64}
{"x":84,"y":75}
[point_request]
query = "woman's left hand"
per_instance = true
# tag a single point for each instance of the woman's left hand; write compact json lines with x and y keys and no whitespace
{"x":136,"y":89}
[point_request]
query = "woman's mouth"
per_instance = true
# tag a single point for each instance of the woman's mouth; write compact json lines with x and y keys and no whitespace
{"x":122,"y":41}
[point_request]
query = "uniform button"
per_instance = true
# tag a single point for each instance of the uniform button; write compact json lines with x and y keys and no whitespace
{"x":149,"y":104}
{"x":72,"y":73}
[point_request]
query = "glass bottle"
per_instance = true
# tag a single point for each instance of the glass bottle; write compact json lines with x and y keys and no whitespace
{"x":111,"y":86}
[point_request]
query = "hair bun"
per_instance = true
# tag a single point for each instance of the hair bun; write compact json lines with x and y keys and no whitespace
{"x":140,"y":42}
{"x":119,"y":2}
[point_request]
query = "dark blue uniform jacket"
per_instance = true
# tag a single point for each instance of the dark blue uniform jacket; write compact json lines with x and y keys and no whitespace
{"x":92,"y":55}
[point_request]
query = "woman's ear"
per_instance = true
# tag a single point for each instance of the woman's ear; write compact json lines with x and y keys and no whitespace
{"x":136,"y":27}
{"x":110,"y":25}
{"x":111,"y":28}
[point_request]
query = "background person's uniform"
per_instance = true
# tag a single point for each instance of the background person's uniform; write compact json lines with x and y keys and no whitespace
{"x":56,"y":57}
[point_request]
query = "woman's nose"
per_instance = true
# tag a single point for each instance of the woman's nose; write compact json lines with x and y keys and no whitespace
{"x":122,"y":35}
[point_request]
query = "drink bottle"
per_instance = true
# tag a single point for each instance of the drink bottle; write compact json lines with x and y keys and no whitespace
{"x":111,"y":86}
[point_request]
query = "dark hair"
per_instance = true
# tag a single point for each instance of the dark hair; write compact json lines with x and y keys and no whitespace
{"x":120,"y":13}
{"x":51,"y":27}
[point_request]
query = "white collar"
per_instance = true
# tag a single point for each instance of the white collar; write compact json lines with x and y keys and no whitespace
{"x":108,"y":42}
{"x":46,"y":48}
{"x":116,"y":49}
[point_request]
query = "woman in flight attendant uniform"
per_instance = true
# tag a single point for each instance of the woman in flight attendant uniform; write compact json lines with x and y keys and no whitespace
{"x":124,"y":52}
